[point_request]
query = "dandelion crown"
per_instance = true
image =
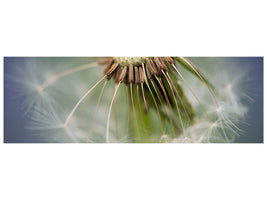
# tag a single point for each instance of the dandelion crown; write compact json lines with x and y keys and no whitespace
{"x":160,"y":102}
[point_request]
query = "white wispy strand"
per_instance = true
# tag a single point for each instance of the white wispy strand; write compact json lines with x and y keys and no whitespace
{"x":228,"y":114}
{"x":26,"y":83}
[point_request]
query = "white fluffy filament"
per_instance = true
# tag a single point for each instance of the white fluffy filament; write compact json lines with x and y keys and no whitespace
{"x":80,"y":101}
{"x":192,"y":67}
{"x":65,"y":73}
{"x":192,"y":93}
{"x":178,"y":110}
{"x":109,"y":112}
{"x":98,"y":101}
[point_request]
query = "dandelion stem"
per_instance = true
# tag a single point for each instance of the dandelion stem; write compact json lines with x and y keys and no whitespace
{"x":129,"y":111}
{"x":139,"y":105}
{"x":163,"y":131}
{"x":109,"y":112}
{"x":131,"y":89}
{"x":145,"y":78}
{"x":144,"y":98}
{"x":157,"y":109}
{"x":98,"y":101}
{"x":178,"y":110}
{"x":152,"y":82}
{"x":80,"y":101}
{"x":180,"y":99}
{"x":168,"y":102}
{"x":115,"y":116}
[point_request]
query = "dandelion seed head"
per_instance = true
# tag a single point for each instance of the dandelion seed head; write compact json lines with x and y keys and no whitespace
{"x":51,"y":97}
{"x":39,"y":89}
{"x":213,"y":125}
{"x":219,"y":109}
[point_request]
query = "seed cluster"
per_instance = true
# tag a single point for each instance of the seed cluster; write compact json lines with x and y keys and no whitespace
{"x":130,"y":60}
{"x":134,"y":71}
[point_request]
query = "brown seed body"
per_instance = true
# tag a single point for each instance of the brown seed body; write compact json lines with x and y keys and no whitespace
{"x":169,"y":60}
{"x":141,"y":75}
{"x":137,"y":75}
{"x":131,"y":74}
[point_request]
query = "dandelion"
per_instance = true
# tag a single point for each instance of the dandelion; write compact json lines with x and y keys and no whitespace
{"x":136,"y":99}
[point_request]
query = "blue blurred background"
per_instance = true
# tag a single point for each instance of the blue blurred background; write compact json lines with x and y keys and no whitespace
{"x":15,"y":120}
